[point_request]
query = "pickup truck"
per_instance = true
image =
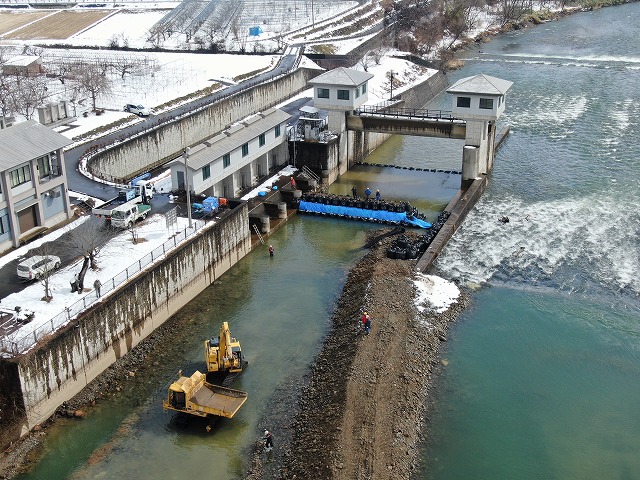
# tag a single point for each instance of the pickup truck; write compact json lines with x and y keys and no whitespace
{"x":126,"y":215}
{"x":124,"y":198}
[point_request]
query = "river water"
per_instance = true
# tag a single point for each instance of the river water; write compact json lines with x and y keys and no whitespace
{"x":543,"y":379}
{"x":543,"y":373}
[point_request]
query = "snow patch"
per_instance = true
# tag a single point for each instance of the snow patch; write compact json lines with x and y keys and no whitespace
{"x":439,"y":294}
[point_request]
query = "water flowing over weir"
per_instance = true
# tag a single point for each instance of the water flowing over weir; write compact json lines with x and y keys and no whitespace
{"x":543,"y":372}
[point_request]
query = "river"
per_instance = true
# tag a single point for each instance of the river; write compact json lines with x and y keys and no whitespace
{"x":543,"y":379}
{"x":543,"y":372}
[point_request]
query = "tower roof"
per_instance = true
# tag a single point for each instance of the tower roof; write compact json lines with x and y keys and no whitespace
{"x":341,"y":76}
{"x":481,"y":85}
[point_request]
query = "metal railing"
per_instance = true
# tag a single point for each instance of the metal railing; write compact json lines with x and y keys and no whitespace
{"x":386,"y":110}
{"x":12,"y":345}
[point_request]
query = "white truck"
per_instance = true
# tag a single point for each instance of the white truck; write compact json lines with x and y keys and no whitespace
{"x":142,"y":192}
{"x":144,"y":189}
{"x":125,"y":216}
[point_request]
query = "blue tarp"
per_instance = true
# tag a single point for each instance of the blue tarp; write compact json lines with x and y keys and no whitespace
{"x":353,"y":212}
{"x":255,"y":31}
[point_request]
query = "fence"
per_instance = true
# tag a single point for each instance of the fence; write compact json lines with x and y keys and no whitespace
{"x":14,"y":346}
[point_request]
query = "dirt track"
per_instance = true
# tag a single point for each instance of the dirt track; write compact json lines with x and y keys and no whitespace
{"x":361,"y":414}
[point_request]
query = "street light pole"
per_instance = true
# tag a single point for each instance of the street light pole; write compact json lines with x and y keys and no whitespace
{"x":391,"y":83}
{"x":185,"y":155}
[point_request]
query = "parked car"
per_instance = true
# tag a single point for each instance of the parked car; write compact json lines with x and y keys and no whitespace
{"x":139,"y":110}
{"x":38,"y":265}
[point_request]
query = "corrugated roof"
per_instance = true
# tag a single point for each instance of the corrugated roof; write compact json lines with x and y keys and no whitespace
{"x":342,"y":76}
{"x":22,"y":60}
{"x":27,"y":140}
{"x":481,"y":84}
{"x":236,"y":136}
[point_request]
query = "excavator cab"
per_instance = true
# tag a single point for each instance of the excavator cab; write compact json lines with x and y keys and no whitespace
{"x":223,"y":353}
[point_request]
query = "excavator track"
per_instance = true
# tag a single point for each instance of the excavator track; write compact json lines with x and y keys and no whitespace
{"x":231,"y":377}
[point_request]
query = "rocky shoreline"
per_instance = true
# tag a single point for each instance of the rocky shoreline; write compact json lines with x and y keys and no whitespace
{"x":362,"y":412}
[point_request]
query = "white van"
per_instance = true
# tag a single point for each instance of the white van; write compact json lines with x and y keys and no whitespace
{"x":38,"y":265}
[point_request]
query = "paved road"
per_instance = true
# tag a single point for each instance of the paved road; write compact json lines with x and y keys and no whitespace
{"x":81,"y":184}
{"x":9,"y":282}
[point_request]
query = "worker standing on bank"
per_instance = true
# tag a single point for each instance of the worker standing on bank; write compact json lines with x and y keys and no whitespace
{"x":354,"y":191}
{"x":271,"y":250}
{"x":367,"y":193}
{"x":293,"y":183}
{"x":268,"y":440}
{"x":377,"y":195}
{"x":366,"y":322}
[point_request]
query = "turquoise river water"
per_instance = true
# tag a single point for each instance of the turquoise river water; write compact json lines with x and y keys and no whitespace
{"x":544,"y":367}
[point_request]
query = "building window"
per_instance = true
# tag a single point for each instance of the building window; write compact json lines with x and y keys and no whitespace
{"x":20,"y":175}
{"x":43,"y":167}
{"x":357,"y":92}
{"x":277,"y":131}
{"x":323,"y":93}
{"x":261,"y":140}
{"x":364,"y":88}
{"x":206,"y":172}
{"x":4,"y":224}
{"x":464,"y":102}
{"x":226,"y":160}
{"x":245,"y":149}
{"x":343,"y":94}
{"x":486,"y":103}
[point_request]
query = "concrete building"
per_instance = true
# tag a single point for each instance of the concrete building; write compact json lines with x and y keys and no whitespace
{"x":234,"y":159}
{"x":479,"y":101}
{"x":339,"y":91}
{"x":33,"y":182}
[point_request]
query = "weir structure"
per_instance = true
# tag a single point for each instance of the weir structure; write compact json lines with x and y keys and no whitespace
{"x":478,"y":102}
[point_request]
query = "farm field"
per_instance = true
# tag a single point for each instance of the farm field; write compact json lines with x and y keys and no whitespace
{"x":9,"y":21}
{"x":60,"y":25}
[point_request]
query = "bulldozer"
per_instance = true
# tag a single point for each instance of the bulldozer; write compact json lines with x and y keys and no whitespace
{"x":223,"y":355}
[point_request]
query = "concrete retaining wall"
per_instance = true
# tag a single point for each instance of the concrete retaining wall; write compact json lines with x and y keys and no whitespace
{"x":421,"y":94}
{"x":166,"y":142}
{"x":65,"y":363}
{"x":459,"y":207}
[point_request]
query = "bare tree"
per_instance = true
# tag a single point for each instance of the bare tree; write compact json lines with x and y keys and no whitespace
{"x":6,"y":89}
{"x":158,"y":34}
{"x":125,"y":65}
{"x":513,"y":10}
{"x":133,"y":230}
{"x":209,"y":30}
{"x":365,"y":62}
{"x":94,"y":81}
{"x":44,"y":276}
{"x":87,"y":240}
{"x":378,"y":53}
{"x":28,"y":93}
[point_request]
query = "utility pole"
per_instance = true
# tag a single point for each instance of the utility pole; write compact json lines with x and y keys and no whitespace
{"x":391,"y":83}
{"x":185,"y":155}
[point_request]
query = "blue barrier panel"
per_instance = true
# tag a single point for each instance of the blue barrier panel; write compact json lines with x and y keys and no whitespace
{"x":353,"y":212}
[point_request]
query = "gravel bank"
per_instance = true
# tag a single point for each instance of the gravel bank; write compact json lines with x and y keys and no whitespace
{"x":361,"y":414}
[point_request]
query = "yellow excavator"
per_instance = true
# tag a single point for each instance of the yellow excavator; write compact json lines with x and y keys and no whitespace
{"x":224,"y":355}
{"x":195,"y":395}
